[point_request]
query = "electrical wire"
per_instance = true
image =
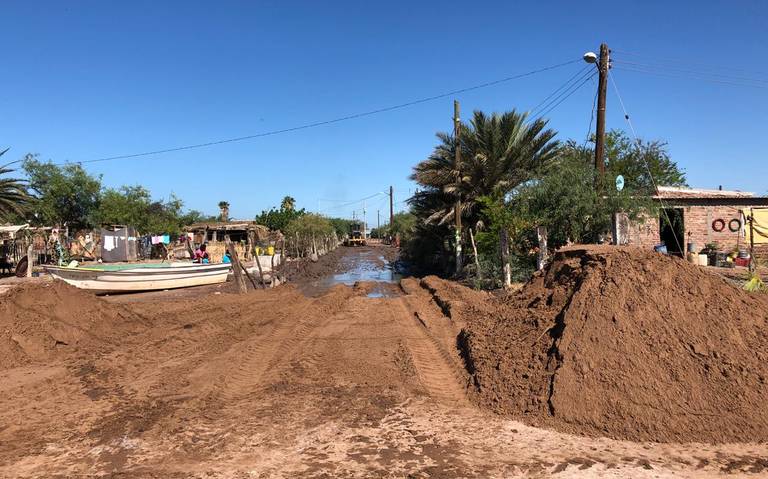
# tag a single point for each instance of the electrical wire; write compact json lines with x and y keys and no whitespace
{"x":543,"y":106}
{"x":676,"y":62}
{"x":331,"y":121}
{"x":619,"y":66}
{"x":573,"y":90}
{"x":591,"y":119}
{"x":652,"y":66}
{"x":645,"y":161}
{"x":567,"y":82}
{"x":352,"y":202}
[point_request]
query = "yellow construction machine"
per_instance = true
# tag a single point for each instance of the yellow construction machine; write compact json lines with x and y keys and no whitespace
{"x":356,"y":236}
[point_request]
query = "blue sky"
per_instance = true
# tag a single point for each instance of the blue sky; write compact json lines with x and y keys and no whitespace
{"x":85,"y":80}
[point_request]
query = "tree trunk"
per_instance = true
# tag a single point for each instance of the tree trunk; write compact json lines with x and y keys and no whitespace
{"x":30,"y":262}
{"x":506,"y":267}
{"x":477,"y":259}
{"x":261,"y":273}
{"x":236,"y":265}
{"x":541,"y":260}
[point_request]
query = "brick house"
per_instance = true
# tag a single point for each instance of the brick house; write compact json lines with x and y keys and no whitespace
{"x":698,"y":217}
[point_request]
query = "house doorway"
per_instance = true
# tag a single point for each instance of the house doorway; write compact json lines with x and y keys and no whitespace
{"x":672,"y":230}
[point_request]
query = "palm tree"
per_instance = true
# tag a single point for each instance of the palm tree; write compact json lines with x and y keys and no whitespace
{"x":224,"y":209}
{"x":288,"y":204}
{"x":498,"y":153}
{"x":13,"y":195}
{"x":14,"y":199}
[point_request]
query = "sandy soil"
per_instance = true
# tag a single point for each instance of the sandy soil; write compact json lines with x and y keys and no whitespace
{"x":280,"y":384}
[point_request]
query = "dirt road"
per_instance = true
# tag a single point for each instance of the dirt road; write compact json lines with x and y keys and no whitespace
{"x":356,"y":381}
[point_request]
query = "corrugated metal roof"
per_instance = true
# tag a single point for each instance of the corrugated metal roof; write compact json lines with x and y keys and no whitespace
{"x":674,"y":192}
{"x":12,"y":228}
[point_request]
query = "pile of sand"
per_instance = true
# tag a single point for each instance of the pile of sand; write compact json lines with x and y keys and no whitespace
{"x":628,"y":344}
{"x":44,"y":321}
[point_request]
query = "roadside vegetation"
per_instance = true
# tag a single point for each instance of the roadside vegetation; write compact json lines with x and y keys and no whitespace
{"x":14,"y":199}
{"x":514,"y":177}
{"x":67,"y":195}
{"x":289,"y":220}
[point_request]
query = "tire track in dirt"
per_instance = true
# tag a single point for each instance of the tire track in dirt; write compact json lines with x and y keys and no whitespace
{"x":256,"y":362}
{"x":296,"y":349}
{"x":433,"y":365}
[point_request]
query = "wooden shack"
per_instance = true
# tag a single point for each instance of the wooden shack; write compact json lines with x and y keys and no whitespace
{"x":245,"y":235}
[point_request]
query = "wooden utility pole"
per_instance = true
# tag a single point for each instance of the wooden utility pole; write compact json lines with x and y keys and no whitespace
{"x":378,"y":223}
{"x":751,"y":219}
{"x":602,"y":88}
{"x":236,"y":265}
{"x":391,"y":208}
{"x":30,"y":251}
{"x":457,"y":206}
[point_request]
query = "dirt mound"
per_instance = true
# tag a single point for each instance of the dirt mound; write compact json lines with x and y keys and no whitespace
{"x":41,"y":321}
{"x":625,"y":343}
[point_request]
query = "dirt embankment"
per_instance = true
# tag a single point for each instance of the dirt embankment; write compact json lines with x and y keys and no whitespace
{"x":623,"y":343}
{"x":39,"y":322}
{"x":275,"y":383}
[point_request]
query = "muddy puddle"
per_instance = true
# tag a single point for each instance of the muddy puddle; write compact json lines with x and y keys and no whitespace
{"x":368,"y":270}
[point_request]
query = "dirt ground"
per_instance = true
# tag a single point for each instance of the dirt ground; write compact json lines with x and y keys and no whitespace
{"x":353,"y":381}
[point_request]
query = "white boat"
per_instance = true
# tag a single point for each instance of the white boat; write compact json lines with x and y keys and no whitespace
{"x":146,"y":277}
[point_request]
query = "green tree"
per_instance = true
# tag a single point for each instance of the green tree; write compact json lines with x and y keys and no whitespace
{"x":14,"y":200}
{"x":634,"y":160}
{"x":64,"y":194}
{"x":404,"y":224}
{"x":195,"y":216}
{"x":165,"y":216}
{"x":566,"y":202}
{"x":310,"y":224}
{"x":340,"y":225}
{"x":278,"y":219}
{"x":498,"y":152}
{"x":133,"y":205}
{"x":224,"y":211}
{"x":288,"y":204}
{"x":127,"y":205}
{"x":310,"y":229}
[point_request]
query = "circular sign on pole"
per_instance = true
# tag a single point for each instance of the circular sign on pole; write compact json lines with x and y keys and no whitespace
{"x":619,"y":183}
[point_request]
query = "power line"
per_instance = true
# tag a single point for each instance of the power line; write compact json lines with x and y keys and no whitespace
{"x":591,"y":119}
{"x":573,"y":90}
{"x":688,"y":76}
{"x":350,"y":203}
{"x":651,"y":66}
{"x":334,"y":120}
{"x":536,"y":112}
{"x":567,"y":82}
{"x":676,"y":62}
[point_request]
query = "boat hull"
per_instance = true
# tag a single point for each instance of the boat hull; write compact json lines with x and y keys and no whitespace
{"x":142,"y":279}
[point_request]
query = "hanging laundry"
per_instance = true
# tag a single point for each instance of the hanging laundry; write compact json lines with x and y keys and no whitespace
{"x":109,"y":242}
{"x":157,"y":239}
{"x":166,"y":239}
